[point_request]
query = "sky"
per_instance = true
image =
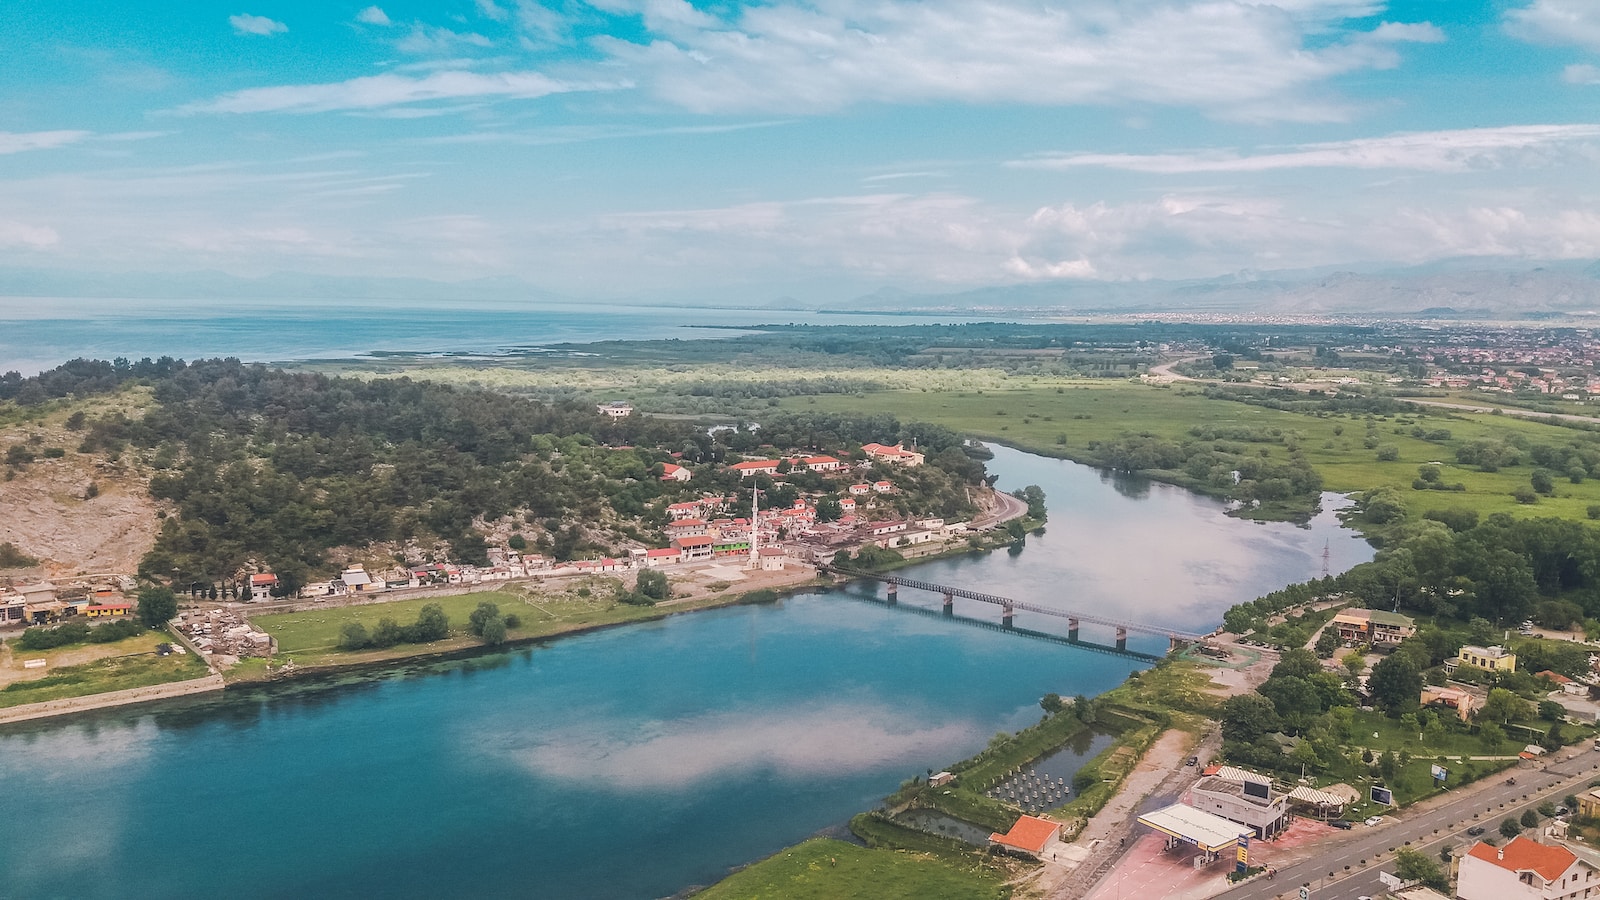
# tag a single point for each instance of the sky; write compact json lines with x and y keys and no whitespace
{"x":817,"y":149}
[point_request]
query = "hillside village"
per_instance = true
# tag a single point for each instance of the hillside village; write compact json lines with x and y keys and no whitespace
{"x":850,"y":509}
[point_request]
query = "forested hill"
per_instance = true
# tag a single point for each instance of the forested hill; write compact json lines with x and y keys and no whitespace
{"x":278,"y":468}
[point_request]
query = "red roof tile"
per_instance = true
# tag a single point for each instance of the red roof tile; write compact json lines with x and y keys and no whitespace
{"x":1523,"y":855}
{"x":1029,"y":833}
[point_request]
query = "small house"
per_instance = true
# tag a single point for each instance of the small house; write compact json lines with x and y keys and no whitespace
{"x":674,"y":472}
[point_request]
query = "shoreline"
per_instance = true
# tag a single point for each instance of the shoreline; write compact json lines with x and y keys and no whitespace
{"x":65,"y":706}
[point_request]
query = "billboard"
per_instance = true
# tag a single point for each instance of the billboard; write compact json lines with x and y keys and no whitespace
{"x":1440,"y":773}
{"x":1256,"y":789}
{"x":1382,"y":795}
{"x":1241,"y":861}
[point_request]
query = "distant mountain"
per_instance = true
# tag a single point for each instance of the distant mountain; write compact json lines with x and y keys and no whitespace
{"x":1454,"y":288}
{"x":1464,"y":287}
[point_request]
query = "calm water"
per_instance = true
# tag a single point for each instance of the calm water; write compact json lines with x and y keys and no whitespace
{"x":628,"y":763}
{"x":40,"y":333}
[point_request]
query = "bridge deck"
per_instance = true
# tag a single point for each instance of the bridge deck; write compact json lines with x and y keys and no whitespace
{"x":1008,"y":603}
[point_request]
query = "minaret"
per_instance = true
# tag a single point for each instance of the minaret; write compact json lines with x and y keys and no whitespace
{"x":755,"y":527}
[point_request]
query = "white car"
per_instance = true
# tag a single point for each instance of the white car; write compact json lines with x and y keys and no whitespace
{"x":1375,"y":820}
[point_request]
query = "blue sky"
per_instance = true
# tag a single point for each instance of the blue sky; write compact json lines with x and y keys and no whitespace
{"x":660,"y":149}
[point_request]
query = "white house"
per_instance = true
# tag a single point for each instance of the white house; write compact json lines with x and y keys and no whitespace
{"x":821,"y":463}
{"x":755,"y":467}
{"x":674,"y":472}
{"x":1525,"y":870}
{"x":615,"y":409}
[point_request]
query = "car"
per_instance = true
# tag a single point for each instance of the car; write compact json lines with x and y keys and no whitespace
{"x":1475,"y":830}
{"x":1340,"y":823}
{"x":1375,"y":820}
{"x":1192,"y":761}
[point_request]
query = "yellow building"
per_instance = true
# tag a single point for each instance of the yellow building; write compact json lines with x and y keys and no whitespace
{"x":1493,"y":659}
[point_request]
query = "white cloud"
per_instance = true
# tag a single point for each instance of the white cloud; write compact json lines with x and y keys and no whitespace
{"x":491,"y":10}
{"x":1432,"y":151}
{"x":429,"y":39}
{"x":1233,"y":59}
{"x":1567,"y":22}
{"x":1581,"y":73}
{"x":244,"y":23}
{"x":379,"y":91}
{"x":676,"y":754}
{"x":1408,"y":32}
{"x":17,"y":142}
{"x":32,"y":237}
{"x":372,"y":15}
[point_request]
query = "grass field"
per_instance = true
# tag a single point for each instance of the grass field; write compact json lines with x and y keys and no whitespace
{"x":311,"y":637}
{"x":116,"y":673}
{"x":825,"y":869}
{"x":1062,"y":418}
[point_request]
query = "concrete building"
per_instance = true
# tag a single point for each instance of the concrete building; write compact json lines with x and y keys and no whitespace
{"x":1373,"y":626}
{"x":1493,"y":659}
{"x":1526,"y":870}
{"x":897,"y":454}
{"x":1454,"y":698}
{"x":675,"y":472}
{"x":615,"y":409}
{"x":1244,"y":797}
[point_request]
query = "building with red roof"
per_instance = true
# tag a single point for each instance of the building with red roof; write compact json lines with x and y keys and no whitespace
{"x":693,"y":547}
{"x":1030,"y":835}
{"x":897,"y":454}
{"x":1524,"y":868}
{"x":755,"y":467}
{"x":821,"y":463}
{"x":674,"y":472}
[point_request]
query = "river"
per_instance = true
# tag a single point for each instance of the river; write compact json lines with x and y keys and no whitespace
{"x":628,"y":763}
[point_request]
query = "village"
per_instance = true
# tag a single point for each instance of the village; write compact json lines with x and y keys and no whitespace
{"x":705,"y":544}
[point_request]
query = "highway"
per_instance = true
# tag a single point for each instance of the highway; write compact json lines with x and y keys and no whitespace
{"x":1427,"y":831}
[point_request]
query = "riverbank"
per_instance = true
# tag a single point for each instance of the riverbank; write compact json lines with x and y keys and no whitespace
{"x":72,"y":705}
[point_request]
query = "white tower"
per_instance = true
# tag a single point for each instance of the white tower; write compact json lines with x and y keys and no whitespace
{"x":755,"y":527}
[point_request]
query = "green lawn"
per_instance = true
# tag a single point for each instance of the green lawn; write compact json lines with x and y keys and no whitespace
{"x":1062,"y":417}
{"x":113,"y":674}
{"x":311,"y":637}
{"x":825,"y":869}
{"x":318,"y":629}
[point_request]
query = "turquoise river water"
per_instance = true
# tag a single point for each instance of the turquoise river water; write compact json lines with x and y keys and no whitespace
{"x":629,"y":763}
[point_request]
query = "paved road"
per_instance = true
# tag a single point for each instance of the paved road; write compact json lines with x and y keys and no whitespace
{"x":1425,"y":830}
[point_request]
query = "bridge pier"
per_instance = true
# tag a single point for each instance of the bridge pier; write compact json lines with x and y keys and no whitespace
{"x":894,"y":593}
{"x":1072,"y":630}
{"x":1006,"y":616}
{"x":949,"y":604}
{"x":1122,"y":638}
{"x":1175,"y":643}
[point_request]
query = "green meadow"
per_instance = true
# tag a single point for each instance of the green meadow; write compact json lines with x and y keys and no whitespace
{"x":1063,"y":418}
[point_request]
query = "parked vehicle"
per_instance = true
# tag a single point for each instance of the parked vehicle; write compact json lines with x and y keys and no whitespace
{"x":1475,"y":830}
{"x":1375,"y":820}
{"x":1341,"y":823}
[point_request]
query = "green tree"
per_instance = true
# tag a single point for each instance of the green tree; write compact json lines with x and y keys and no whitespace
{"x":1509,"y":827}
{"x":1246,"y":717}
{"x":1295,"y":700}
{"x":1502,"y":706}
{"x":387,"y":633}
{"x":1551,"y":711}
{"x":157,"y":606}
{"x":1396,"y":684}
{"x":353,"y":636}
{"x":485,"y":612}
{"x":1530,"y":819}
{"x":1306,"y":755}
{"x":653,"y":584}
{"x":1052,"y":703}
{"x":1355,"y":663}
{"x":494,"y":631}
{"x":1415,"y":866}
{"x":1492,"y":736}
{"x":1299,"y":663}
{"x":432,"y":624}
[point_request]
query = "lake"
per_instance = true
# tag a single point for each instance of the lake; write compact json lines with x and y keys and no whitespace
{"x":38,"y":333}
{"x":628,"y":763}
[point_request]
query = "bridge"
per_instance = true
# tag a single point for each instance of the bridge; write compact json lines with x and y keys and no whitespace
{"x":1008,"y":609}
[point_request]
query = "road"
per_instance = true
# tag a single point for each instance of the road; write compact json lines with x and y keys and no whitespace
{"x":1007,"y":508}
{"x":1355,"y":862}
